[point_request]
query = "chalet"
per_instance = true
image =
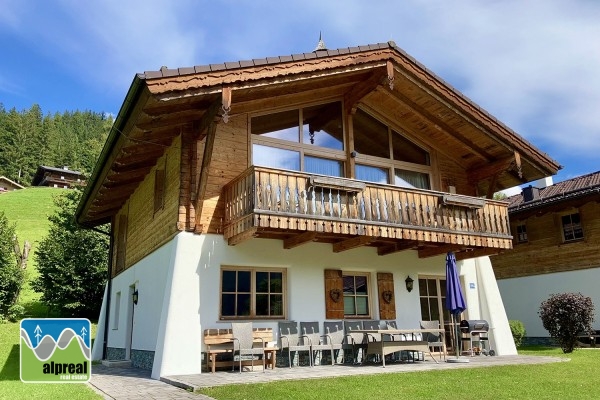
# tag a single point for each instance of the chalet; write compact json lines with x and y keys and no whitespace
{"x":556,"y":233}
{"x":57,"y":177}
{"x":7,"y":185}
{"x":255,"y":190}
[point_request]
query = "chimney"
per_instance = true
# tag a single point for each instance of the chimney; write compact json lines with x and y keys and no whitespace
{"x":531,"y":193}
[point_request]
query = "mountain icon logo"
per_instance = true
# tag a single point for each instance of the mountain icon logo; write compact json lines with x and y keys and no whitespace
{"x":55,"y":350}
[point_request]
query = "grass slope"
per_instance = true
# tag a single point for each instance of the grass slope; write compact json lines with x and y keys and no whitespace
{"x":29,"y":209}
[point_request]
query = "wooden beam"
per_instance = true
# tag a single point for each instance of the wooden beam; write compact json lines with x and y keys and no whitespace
{"x":242,"y":237}
{"x":360,"y":90}
{"x":492,"y":186}
{"x":479,"y":252}
{"x":353,"y":243}
{"x":299,"y":239}
{"x":203,"y":180}
{"x":396,"y":247}
{"x":437,"y":250}
{"x":427,"y":116}
{"x":488,"y":170}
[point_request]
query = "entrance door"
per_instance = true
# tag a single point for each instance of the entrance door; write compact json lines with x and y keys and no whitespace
{"x":432,"y":293}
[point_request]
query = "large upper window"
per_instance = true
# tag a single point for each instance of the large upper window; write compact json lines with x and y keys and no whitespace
{"x":308,"y":139}
{"x":252,"y":293}
{"x":386,"y":156}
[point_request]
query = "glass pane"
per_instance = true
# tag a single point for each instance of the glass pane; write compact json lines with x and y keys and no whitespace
{"x":262,"y":282}
{"x":262,"y":304}
{"x":370,"y":136}
{"x":325,"y":122}
{"x":425,"y":315}
{"x":423,"y":287}
{"x":411,"y":179}
{"x":435,"y":310}
{"x":348,"y":284}
{"x":361,"y":284}
{"x":228,"y":305}
{"x":371,"y":174}
{"x":362,"y":306}
{"x":243,"y":304}
{"x":276,"y":282}
{"x":282,"y":125}
{"x":349,"y":308}
{"x":274,"y":157}
{"x":443,"y":287}
{"x":323,"y":166}
{"x":228,"y":282}
{"x":432,"y":287}
{"x":243,"y":281}
{"x":405,"y":150}
{"x":277,"y":305}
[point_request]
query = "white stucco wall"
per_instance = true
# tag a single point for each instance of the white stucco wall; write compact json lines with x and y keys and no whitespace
{"x":523,"y":296}
{"x":179,"y":290}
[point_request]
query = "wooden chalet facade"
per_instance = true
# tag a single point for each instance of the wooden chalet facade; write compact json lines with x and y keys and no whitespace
{"x":7,"y":185}
{"x":556,"y":243}
{"x":63,"y":178}
{"x":359,"y":159}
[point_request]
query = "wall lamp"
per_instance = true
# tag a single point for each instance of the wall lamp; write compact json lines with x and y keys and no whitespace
{"x":135,"y":296}
{"x":409,"y":284}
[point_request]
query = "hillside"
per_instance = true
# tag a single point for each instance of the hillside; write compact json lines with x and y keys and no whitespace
{"x":29,"y":210}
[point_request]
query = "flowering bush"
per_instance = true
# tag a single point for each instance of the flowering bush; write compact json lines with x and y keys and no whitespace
{"x":565,"y":316}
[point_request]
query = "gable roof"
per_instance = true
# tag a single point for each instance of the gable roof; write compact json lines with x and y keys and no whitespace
{"x":3,"y":178}
{"x":569,"y":193}
{"x":161,"y":104}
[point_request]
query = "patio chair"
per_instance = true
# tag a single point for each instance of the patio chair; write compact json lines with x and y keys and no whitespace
{"x":243,"y":343}
{"x":373,"y":325}
{"x":292,"y":340}
{"x":317,"y":341}
{"x":433,"y":339}
{"x":355,"y":341}
{"x":334,"y":334}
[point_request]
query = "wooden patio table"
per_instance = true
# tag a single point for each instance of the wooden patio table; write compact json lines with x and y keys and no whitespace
{"x":384,"y":348}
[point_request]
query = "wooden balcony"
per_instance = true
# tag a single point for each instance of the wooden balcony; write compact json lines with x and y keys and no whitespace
{"x":299,"y":208}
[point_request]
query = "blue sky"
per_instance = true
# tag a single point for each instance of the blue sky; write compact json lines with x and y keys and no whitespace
{"x":534,"y":64}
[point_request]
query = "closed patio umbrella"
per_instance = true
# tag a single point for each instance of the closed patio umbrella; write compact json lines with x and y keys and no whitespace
{"x":455,"y":301}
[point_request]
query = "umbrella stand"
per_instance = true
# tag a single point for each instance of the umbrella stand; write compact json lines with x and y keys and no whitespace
{"x":458,"y":359}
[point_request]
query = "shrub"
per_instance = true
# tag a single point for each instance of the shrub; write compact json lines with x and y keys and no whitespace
{"x":518,"y":331}
{"x":12,"y":277}
{"x":566,"y":315}
{"x":72,"y":263}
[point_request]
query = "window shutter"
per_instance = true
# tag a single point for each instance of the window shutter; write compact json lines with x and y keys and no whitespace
{"x":334,"y":294}
{"x":387,"y":300}
{"x":159,"y":189}
{"x":121,"y":243}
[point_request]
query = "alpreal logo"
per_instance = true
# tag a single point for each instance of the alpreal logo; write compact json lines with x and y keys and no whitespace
{"x":55,"y":350}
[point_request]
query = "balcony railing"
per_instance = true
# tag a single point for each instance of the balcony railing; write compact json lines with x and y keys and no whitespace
{"x":266,"y":199}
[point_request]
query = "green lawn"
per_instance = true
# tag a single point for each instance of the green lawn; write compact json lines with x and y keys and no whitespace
{"x":576,"y":379}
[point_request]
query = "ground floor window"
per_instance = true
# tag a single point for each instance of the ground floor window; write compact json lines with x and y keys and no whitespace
{"x":249,"y":292}
{"x":356,"y":295}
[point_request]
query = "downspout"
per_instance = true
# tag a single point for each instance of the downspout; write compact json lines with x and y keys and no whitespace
{"x":108,"y":293}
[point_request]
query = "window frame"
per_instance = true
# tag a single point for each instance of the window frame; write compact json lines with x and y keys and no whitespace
{"x":304,"y":149}
{"x":389,"y":163}
{"x":369,"y":295}
{"x":253,"y":293}
{"x":562,"y":226}
{"x":521,"y":237}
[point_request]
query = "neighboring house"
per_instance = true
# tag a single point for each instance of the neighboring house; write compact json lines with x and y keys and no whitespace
{"x":556,"y":233}
{"x":7,"y":185}
{"x":307,"y":187}
{"x":57,"y":177}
